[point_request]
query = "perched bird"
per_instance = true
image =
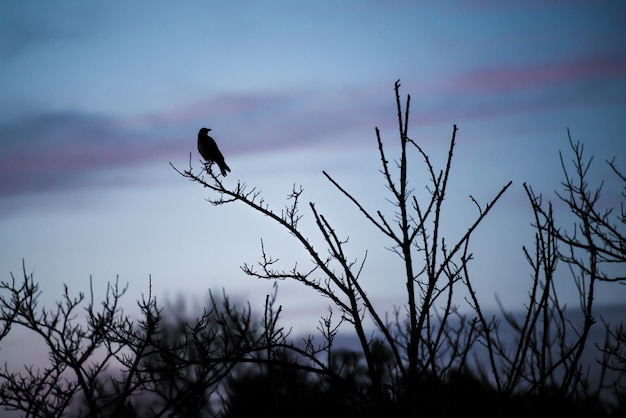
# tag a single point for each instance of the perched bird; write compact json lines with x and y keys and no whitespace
{"x":210,"y":152}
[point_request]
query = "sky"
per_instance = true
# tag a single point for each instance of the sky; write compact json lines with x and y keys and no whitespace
{"x":98,"y":98}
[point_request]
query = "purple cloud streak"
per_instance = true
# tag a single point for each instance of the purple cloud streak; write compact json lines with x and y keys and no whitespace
{"x":50,"y":152}
{"x":502,"y":80}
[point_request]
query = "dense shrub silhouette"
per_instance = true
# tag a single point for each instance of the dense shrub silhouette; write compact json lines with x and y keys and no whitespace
{"x":287,"y":392}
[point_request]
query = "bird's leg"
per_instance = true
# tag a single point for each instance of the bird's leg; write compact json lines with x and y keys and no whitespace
{"x":208,"y":168}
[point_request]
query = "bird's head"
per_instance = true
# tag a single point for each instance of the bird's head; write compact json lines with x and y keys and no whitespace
{"x":204,"y":131}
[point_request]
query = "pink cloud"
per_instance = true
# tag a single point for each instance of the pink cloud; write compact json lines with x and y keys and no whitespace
{"x":502,"y":80}
{"x":54,"y":150}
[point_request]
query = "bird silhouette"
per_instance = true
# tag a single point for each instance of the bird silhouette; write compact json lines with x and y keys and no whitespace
{"x":210,"y":152}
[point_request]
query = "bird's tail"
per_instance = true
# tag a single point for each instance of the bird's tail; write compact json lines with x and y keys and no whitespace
{"x":224,"y":168}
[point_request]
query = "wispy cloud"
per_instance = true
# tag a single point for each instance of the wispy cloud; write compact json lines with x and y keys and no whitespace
{"x":493,"y":91}
{"x":50,"y":150}
{"x":586,"y":69}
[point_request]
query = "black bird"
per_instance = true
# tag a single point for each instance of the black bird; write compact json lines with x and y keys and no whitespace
{"x":210,"y":152}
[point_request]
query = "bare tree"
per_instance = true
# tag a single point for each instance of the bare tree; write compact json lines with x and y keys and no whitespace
{"x":550,"y":345}
{"x":429,"y":341}
{"x":433,"y":269}
{"x":107,"y":364}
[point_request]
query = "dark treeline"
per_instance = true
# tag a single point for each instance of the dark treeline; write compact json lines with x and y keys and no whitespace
{"x":427,"y":360}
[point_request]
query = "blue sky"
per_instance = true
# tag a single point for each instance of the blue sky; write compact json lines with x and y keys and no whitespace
{"x":99,"y":97}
